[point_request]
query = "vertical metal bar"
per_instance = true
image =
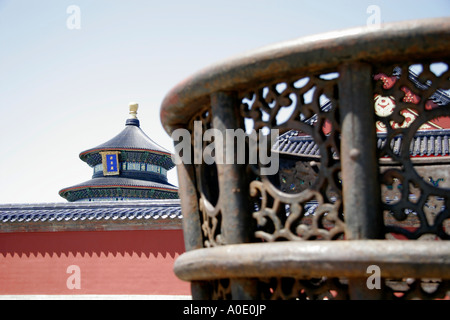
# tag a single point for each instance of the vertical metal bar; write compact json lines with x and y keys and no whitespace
{"x":361,"y":190}
{"x":192,"y":231}
{"x":233,"y":187}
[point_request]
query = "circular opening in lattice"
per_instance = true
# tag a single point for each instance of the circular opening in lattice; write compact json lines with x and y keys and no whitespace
{"x":297,"y":176}
{"x":433,"y":208}
{"x":401,"y":225}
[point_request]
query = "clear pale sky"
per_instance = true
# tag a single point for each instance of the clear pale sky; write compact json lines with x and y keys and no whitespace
{"x":63,"y":90}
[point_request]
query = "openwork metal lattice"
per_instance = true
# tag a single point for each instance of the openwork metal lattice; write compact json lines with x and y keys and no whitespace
{"x":418,"y":198}
{"x":363,"y":175}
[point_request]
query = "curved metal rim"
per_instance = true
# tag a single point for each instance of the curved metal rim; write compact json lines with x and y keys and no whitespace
{"x":307,"y":259}
{"x":413,"y":40}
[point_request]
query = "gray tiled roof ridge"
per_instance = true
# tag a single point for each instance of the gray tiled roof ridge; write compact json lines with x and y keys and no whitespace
{"x":427,"y":142}
{"x":81,"y":212}
{"x":90,"y":204}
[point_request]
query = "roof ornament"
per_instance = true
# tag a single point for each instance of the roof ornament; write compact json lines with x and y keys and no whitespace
{"x":133,"y":110}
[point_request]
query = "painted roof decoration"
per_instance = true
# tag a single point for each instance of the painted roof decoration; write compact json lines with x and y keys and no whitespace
{"x":130,"y":166}
{"x":384,"y":105}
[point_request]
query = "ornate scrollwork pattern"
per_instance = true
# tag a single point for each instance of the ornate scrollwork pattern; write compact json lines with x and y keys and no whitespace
{"x":302,"y":289}
{"x":309,"y":107}
{"x":424,"y":289}
{"x":207,"y":184}
{"x":416,"y":196}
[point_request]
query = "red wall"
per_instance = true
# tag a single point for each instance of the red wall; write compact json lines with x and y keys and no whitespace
{"x":110,"y":262}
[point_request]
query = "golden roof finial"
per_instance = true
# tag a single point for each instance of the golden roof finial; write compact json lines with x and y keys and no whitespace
{"x":133,"y":109}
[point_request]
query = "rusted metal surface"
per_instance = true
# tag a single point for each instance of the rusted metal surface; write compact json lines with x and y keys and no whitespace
{"x":350,"y":259}
{"x":358,"y":153}
{"x":247,"y":237}
{"x":234,"y":194}
{"x":189,"y":208}
{"x":346,"y":265}
{"x":233,"y":184}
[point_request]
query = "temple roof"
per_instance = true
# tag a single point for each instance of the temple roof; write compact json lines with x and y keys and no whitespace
{"x":425,"y":143}
{"x":120,"y":182}
{"x":131,"y":138}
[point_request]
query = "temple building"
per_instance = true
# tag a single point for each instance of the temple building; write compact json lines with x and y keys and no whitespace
{"x":130,"y":166}
{"x":119,"y":234}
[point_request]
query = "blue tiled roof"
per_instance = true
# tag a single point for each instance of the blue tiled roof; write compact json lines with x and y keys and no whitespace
{"x":120,"y":181}
{"x":130,"y":138}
